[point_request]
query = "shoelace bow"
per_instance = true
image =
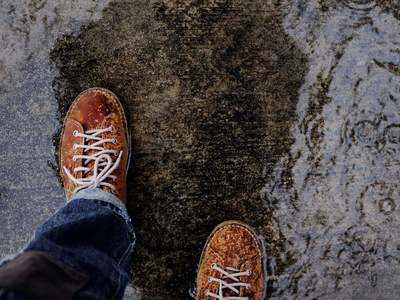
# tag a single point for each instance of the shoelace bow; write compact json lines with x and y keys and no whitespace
{"x":103,"y":162}
{"x":228,"y":273}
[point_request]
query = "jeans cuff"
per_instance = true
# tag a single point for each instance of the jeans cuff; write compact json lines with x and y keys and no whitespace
{"x":98,"y":195}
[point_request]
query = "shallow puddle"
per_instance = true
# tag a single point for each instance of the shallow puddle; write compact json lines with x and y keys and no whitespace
{"x":340,"y":216}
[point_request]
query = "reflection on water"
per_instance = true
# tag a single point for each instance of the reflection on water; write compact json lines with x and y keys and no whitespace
{"x":341,"y":217}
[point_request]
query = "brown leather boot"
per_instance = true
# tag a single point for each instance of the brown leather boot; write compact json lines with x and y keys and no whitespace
{"x":232,"y":265}
{"x":94,"y":145}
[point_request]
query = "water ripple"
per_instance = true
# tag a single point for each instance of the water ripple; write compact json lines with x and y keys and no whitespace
{"x":360,"y":4}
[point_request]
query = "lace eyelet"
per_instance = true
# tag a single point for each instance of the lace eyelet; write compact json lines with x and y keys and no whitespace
{"x":75,"y":133}
{"x":213,"y":266}
{"x":249,"y":272}
{"x":209,"y":280}
{"x":114,"y":141}
{"x":75,"y":146}
{"x":111,"y":128}
{"x":74,"y":158}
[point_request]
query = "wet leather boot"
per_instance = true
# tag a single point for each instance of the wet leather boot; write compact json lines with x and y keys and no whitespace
{"x":94,"y":144}
{"x":232,"y":265}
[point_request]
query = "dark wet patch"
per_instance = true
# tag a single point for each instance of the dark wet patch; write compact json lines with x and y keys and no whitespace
{"x":392,"y":68}
{"x":325,"y":5}
{"x":391,"y":6}
{"x":210,"y":88}
{"x":38,"y":4}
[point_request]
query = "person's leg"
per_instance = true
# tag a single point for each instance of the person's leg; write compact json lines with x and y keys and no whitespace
{"x":84,"y":250}
{"x":90,"y":237}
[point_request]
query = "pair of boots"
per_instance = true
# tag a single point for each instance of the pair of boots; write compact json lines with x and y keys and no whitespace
{"x":94,"y":153}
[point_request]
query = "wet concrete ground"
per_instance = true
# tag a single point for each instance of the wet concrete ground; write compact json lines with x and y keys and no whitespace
{"x":29,"y":189}
{"x":280,"y":114}
{"x":28,"y":112}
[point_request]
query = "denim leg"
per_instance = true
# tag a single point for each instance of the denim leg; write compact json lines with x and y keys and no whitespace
{"x":92,"y":234}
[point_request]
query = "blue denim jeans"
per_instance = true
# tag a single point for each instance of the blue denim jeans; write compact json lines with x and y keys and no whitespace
{"x":92,"y":234}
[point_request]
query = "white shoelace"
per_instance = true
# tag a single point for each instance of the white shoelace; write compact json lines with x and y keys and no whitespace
{"x":228,"y":273}
{"x":103,"y":163}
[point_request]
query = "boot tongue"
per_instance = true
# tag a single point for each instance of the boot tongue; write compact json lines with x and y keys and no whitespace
{"x":233,"y":261}
{"x":92,"y":117}
{"x":108,"y":121}
{"x":227,"y":292}
{"x":99,"y":122}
